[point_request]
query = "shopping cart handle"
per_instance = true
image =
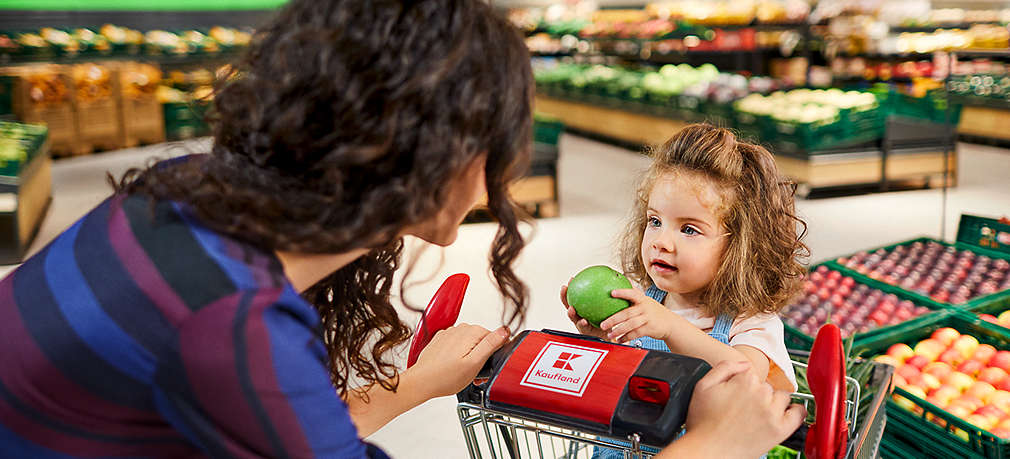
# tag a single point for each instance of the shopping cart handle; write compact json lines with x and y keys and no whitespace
{"x":826,"y":376}
{"x":441,"y":313}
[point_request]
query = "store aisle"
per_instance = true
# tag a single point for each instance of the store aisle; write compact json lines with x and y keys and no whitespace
{"x":596,"y":184}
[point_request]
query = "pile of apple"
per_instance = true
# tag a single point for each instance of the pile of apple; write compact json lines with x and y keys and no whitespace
{"x":956,"y":373}
{"x":854,"y":308}
{"x":932,"y":269}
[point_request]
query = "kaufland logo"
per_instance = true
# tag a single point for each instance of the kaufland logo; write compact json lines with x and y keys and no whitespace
{"x":564,"y":368}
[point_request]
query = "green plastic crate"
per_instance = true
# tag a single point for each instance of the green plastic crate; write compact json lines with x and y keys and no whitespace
{"x":892,"y":447}
{"x":754,"y":127}
{"x":914,"y":428}
{"x":717,"y":113}
{"x":547,"y":130}
{"x":796,"y":339}
{"x":796,"y":137}
{"x":966,"y":240}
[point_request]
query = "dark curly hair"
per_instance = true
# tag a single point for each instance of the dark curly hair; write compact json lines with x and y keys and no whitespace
{"x":344,"y":123}
{"x":760,"y":269}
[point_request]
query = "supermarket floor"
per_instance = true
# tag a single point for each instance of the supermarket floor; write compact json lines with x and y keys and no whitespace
{"x":596,"y":184}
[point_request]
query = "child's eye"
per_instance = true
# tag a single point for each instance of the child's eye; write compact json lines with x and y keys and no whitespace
{"x":654,"y":222}
{"x":689,"y":230}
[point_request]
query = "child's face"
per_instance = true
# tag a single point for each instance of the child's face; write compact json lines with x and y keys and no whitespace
{"x":684,"y":239}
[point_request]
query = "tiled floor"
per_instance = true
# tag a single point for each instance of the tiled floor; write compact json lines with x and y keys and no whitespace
{"x":596,"y":185}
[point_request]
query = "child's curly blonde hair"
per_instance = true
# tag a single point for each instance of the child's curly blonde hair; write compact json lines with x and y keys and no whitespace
{"x":760,"y":269}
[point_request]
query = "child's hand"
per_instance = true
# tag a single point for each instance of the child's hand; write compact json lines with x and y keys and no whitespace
{"x":645,"y":317}
{"x":581,"y":324}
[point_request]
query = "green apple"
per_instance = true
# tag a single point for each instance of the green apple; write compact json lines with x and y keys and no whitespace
{"x":589,"y":293}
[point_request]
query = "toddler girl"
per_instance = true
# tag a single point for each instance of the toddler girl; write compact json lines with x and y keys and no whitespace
{"x":713,"y":239}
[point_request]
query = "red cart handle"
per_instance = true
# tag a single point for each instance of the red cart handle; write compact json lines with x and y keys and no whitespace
{"x":441,"y":313}
{"x":829,"y":434}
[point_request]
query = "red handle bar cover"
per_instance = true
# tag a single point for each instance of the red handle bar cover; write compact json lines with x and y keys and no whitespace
{"x":441,"y":313}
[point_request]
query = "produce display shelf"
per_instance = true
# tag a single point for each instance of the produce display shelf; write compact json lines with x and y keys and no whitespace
{"x":796,"y":339}
{"x":989,"y":302}
{"x":937,"y":439}
{"x":985,"y":121}
{"x":832,"y":169}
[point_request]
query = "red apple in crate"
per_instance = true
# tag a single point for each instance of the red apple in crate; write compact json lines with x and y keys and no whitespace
{"x":951,"y":357}
{"x":1005,"y":384}
{"x":1001,"y":360}
{"x":982,"y":422}
{"x":887,"y":360}
{"x":959,"y":409}
{"x":1004,"y":424}
{"x":899,"y":381}
{"x":946,"y":335}
{"x":939,"y":369}
{"x":931,"y":349}
{"x":983,"y":353}
{"x":908,"y":404}
{"x":994,"y":414}
{"x":908,"y":372}
{"x":968,"y":400}
{"x":900,"y":352}
{"x":1000,"y":399}
{"x":959,"y":381}
{"x":917,"y":361}
{"x":992,"y":375}
{"x":945,"y":394}
{"x":1004,"y":318}
{"x":1001,"y":432}
{"x":989,"y":318}
{"x":926,"y":382}
{"x":966,"y":345}
{"x":970,"y":367}
{"x":980,"y":389}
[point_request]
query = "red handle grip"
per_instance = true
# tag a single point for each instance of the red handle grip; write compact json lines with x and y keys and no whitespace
{"x":828,"y":436}
{"x":441,"y":313}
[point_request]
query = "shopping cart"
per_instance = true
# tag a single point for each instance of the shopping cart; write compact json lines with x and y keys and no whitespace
{"x":843,"y":427}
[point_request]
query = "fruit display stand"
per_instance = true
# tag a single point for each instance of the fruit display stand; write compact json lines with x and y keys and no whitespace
{"x":829,"y":295}
{"x":96,"y":108}
{"x":855,"y":167}
{"x":25,"y":191}
{"x":623,"y":125}
{"x":41,"y":95}
{"x":918,"y":428}
{"x":975,"y":240}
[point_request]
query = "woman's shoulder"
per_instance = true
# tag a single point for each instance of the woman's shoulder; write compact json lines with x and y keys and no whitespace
{"x":197,"y":263}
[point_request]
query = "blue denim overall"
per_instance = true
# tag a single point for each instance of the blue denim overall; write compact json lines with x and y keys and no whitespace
{"x":720,"y":331}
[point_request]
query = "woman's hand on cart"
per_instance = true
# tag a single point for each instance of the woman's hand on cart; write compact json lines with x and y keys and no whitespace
{"x":734,"y":414}
{"x":453,"y":357}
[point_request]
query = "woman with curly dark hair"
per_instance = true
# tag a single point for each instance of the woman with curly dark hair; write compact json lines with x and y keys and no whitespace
{"x":220,"y":304}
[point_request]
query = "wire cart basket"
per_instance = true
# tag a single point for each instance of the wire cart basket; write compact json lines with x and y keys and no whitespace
{"x":846,"y":424}
{"x":494,"y":434}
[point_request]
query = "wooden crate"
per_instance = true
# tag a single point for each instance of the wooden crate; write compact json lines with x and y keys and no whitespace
{"x":99,"y":123}
{"x":99,"y":126}
{"x":58,"y":116}
{"x":143,"y":121}
{"x":141,"y":115}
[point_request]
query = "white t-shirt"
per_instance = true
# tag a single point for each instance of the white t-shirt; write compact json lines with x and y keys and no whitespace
{"x":763,"y":332}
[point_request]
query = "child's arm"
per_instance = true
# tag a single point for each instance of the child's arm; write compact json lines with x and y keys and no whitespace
{"x":647,"y":317}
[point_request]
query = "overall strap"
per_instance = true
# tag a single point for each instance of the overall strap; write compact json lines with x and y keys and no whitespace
{"x":655,"y":293}
{"x":720,"y":330}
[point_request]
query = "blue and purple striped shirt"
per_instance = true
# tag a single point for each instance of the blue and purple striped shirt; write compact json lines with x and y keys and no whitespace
{"x":139,"y":332}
